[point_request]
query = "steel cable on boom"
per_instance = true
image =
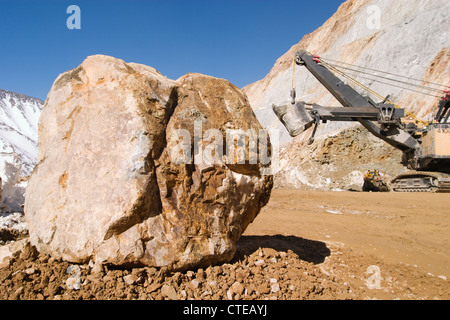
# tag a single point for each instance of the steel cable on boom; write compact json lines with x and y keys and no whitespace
{"x":394,"y":80}
{"x":369,"y":90}
{"x":398,"y":86}
{"x":442,"y":86}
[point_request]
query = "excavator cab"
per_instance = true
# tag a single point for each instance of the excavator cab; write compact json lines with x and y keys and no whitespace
{"x":443,"y":113}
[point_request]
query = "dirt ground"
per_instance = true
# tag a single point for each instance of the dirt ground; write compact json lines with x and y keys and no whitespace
{"x":402,"y":237}
{"x":304,"y":245}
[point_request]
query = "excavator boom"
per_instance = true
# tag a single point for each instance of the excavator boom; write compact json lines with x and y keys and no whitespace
{"x":424,"y":149}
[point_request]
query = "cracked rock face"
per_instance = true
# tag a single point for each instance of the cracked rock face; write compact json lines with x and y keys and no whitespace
{"x":134,"y":169}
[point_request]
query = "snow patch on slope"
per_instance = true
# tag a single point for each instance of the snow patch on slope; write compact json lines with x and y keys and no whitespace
{"x":19,"y":116}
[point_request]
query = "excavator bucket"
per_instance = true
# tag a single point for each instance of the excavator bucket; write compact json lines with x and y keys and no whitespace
{"x":295,"y":117}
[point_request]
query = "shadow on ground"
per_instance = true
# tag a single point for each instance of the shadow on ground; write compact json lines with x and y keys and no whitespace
{"x":307,"y":250}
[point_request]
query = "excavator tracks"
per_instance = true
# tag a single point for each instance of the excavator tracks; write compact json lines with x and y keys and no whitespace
{"x":421,"y":181}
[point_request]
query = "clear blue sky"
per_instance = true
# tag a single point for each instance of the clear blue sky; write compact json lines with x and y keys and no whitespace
{"x":238,"y":40}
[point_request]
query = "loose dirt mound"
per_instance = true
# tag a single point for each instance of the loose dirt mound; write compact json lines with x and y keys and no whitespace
{"x":265,"y":267}
{"x":304,"y":245}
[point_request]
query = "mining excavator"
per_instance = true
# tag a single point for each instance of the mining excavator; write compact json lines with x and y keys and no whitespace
{"x":425,"y":145}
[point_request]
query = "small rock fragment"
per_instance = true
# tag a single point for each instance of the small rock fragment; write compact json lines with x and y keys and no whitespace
{"x":30,"y":271}
{"x":275,"y":288}
{"x":130,"y":279}
{"x":237,"y":288}
{"x":169,"y":292}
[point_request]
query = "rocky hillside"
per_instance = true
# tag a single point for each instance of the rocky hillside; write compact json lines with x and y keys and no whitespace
{"x":19,"y":115}
{"x":337,"y":161}
{"x":410,"y":38}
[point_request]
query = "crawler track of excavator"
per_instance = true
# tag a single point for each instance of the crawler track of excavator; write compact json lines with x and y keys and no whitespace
{"x":421,"y":181}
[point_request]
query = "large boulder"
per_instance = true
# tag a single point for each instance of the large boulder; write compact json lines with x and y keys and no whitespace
{"x":134,"y":169}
